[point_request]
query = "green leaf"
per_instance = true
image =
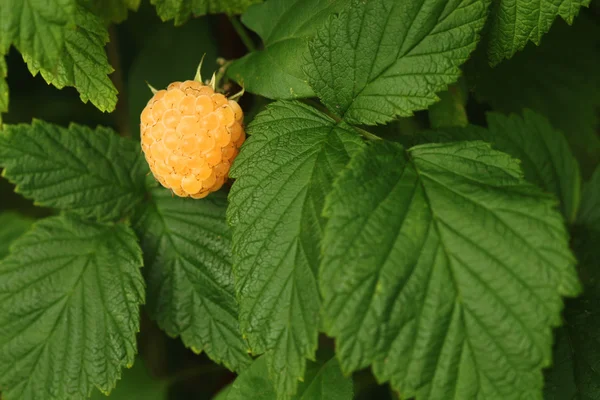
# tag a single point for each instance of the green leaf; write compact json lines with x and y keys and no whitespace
{"x":187,"y":252}
{"x":444,"y":269}
{"x":513,"y":23}
{"x":323,"y":381}
{"x":253,"y":383}
{"x":589,"y":213}
{"x":82,"y":62}
{"x":391,"y":58}
{"x":285,"y":28}
{"x":64,"y":41}
{"x":559,"y":80}
{"x":223,"y":393}
{"x":3,"y":87}
{"x":93,"y":173}
{"x":451,"y":110}
{"x":283,"y":173}
{"x":114,"y":10}
{"x":12,"y":225}
{"x":37,"y":28}
{"x":181,"y":10}
{"x":69,"y":309}
{"x":137,"y":384}
{"x":543,"y":151}
{"x":545,"y":155}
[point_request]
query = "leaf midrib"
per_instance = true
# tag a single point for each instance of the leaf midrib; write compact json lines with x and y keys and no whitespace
{"x":219,"y":325}
{"x":404,"y":54}
{"x":449,"y":255}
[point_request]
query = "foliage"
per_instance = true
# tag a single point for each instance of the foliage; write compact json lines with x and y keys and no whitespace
{"x":285,"y":30}
{"x":557,"y":79}
{"x":515,"y":22}
{"x":187,"y":253}
{"x":70,"y":294}
{"x":415,"y":213}
{"x":64,"y":41}
{"x":323,"y":381}
{"x":180,"y":10}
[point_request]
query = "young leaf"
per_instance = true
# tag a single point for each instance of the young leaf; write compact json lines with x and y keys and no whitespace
{"x":223,"y":393}
{"x":285,"y":28}
{"x":589,"y":213}
{"x":137,"y":384}
{"x":323,"y":381}
{"x":283,"y":173}
{"x":187,"y":250}
{"x":451,"y":111}
{"x":114,"y":10}
{"x":444,"y":269}
{"x":545,"y":155}
{"x":93,"y":173}
{"x":37,"y":28}
{"x":12,"y":225}
{"x":3,"y":88}
{"x":559,"y":80}
{"x":513,"y":23}
{"x":253,"y":383}
{"x":69,"y":297}
{"x":180,"y":10}
{"x":391,"y":58}
{"x":82,"y":62}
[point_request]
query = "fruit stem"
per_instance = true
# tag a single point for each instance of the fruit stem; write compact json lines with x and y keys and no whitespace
{"x":218,"y":76}
{"x":242,"y":33}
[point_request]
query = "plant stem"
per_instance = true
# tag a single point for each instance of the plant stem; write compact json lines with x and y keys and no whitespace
{"x":451,"y":109}
{"x":121,"y":112}
{"x":221,"y":72}
{"x":242,"y":33}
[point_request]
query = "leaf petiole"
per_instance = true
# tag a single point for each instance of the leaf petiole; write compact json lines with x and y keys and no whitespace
{"x":242,"y":33}
{"x":366,"y":134}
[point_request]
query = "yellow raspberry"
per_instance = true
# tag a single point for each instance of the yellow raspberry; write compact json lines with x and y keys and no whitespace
{"x":190,"y":137}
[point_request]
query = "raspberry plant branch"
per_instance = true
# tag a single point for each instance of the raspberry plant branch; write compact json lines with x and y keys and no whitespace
{"x":242,"y":33}
{"x":121,"y":112}
{"x":222,"y":71}
{"x":450,"y":110}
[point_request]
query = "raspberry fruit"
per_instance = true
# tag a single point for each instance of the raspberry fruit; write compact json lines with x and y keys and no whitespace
{"x":190,"y":136}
